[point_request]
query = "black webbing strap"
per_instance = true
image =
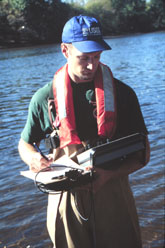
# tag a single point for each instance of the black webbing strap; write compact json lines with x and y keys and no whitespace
{"x":51,"y":106}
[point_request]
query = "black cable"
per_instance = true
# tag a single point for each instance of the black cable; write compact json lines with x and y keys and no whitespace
{"x":42,"y":186}
{"x":78,"y":211}
{"x":43,"y":189}
{"x":94,"y":219}
{"x":92,"y":210}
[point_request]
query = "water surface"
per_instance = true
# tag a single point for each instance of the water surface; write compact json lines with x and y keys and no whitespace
{"x":138,"y":61}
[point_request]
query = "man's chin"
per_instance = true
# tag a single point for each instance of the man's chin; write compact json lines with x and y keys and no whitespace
{"x":87,"y":78}
{"x":84,"y":78}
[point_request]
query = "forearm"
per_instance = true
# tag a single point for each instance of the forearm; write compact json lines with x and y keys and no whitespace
{"x":121,"y":168}
{"x":133,"y":162}
{"x":26,"y":151}
{"x":32,"y":157}
{"x":128,"y":165}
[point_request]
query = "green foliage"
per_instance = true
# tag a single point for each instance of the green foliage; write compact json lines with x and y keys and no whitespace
{"x":41,"y":21}
{"x":17,"y":4}
{"x":46,"y":19}
{"x":157,"y":12}
{"x":33,"y":21}
{"x":125,"y":16}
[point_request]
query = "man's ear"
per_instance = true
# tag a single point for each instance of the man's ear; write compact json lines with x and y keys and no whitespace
{"x":64,"y":50}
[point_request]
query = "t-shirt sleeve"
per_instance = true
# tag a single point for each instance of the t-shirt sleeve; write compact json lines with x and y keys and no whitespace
{"x":37,"y":124}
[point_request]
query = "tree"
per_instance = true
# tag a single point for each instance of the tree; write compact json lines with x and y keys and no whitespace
{"x":157,"y":12}
{"x":17,"y":4}
{"x":46,"y":19}
{"x":11,"y":19}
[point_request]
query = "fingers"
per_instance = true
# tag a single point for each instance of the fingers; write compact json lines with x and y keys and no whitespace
{"x":38,"y":162}
{"x":88,"y":168}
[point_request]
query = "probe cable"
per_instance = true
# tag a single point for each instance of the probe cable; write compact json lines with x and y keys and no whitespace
{"x":43,"y":189}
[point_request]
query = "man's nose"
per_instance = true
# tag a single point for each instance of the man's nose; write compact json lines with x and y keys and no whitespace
{"x":90,"y":65}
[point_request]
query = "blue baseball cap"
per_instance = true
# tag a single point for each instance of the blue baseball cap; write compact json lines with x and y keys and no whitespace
{"x":85,"y":34}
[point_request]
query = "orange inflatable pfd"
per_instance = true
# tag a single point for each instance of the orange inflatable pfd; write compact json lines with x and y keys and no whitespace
{"x":105,"y":105}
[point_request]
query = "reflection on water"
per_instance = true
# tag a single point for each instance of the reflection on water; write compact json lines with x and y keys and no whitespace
{"x":137,"y":60}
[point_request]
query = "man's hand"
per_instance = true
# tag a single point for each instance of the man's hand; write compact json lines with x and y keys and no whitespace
{"x":38,"y":162}
{"x":120,"y":169}
{"x":33,"y":158}
{"x":100,"y":177}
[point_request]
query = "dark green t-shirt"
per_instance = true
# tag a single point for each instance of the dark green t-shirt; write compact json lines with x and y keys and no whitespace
{"x":129,"y":116}
{"x":38,"y":123}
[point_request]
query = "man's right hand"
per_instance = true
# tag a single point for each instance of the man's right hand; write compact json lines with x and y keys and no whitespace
{"x":33,"y":158}
{"x":38,"y":162}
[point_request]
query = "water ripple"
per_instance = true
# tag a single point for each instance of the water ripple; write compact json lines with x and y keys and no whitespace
{"x":132,"y":59}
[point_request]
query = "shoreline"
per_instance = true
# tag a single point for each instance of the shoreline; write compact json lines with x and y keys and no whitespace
{"x":131,"y":34}
{"x":30,"y":44}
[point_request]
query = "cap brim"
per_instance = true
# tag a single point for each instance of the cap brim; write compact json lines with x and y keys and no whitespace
{"x":90,"y":46}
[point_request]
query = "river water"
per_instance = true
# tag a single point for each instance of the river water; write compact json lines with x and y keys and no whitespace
{"x":139,"y":61}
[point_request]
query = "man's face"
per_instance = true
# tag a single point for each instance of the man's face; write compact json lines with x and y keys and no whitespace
{"x":82,"y":66}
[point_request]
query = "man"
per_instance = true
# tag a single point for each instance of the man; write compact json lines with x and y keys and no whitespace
{"x":90,"y":105}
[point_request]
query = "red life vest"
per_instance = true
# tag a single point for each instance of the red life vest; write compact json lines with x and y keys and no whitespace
{"x":105,"y":105}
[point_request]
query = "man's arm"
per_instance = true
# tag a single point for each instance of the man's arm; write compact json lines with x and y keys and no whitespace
{"x":134,"y":162}
{"x":31,"y":157}
{"x":128,"y":166}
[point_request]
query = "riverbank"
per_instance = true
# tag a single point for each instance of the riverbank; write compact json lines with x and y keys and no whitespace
{"x":11,"y":44}
{"x":22,"y":45}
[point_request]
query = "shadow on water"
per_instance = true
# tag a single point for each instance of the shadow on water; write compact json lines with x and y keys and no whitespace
{"x":132,"y":59}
